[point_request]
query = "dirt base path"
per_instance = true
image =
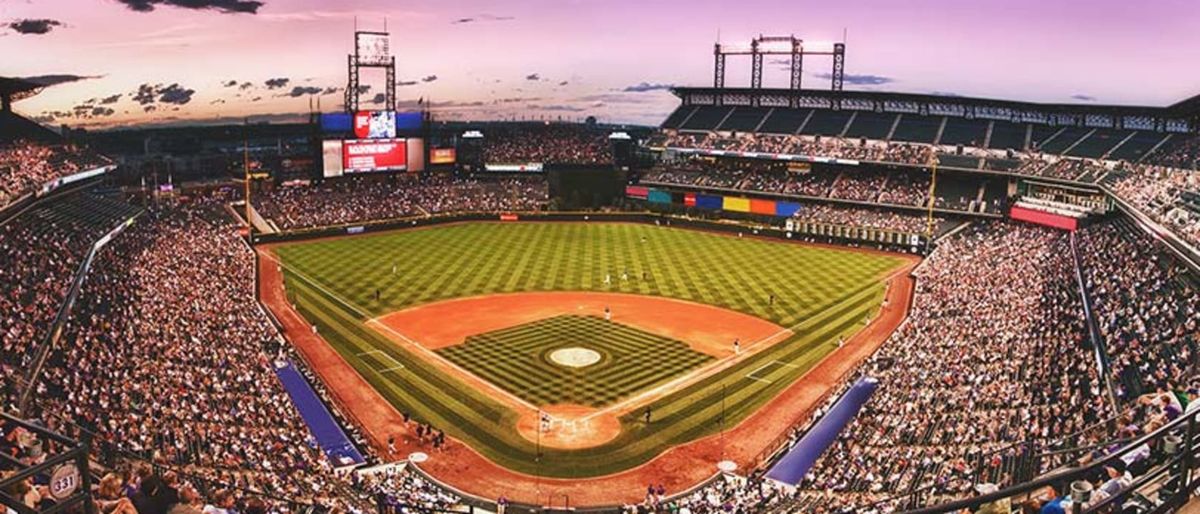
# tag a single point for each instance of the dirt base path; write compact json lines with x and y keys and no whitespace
{"x":677,"y":469}
{"x":705,"y":328}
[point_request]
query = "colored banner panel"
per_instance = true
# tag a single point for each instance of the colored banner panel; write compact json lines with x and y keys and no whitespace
{"x":638,"y":192}
{"x":786,"y":209}
{"x":689,"y":199}
{"x":1044,"y":218}
{"x":709,"y":202}
{"x":736,"y":204}
{"x":657,"y":196}
{"x":762,"y":206}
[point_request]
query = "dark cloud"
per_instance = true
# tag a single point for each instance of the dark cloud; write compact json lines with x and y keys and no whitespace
{"x":54,"y":80}
{"x":557,"y":107}
{"x":379,"y":98}
{"x":617,"y":98}
{"x":217,"y":101}
{"x":647,"y":86}
{"x":481,"y":18}
{"x":102,"y":111}
{"x":145,"y":94}
{"x":1083,"y":98}
{"x":859,"y":80}
{"x":303,"y":91}
{"x":230,"y":83}
{"x":225,"y":6}
{"x":255,"y":99}
{"x":403,"y":83}
{"x":111,"y":99}
{"x":429,"y":78}
{"x":533,"y":76}
{"x":362,"y":89}
{"x":245,"y":85}
{"x":277,"y":83}
{"x":149,"y":108}
{"x":331,"y":90}
{"x":175,"y":94}
{"x":563,"y":83}
{"x":34,"y":27}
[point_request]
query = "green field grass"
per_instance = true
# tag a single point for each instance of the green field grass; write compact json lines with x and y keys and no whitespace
{"x":821,"y":293}
{"x":517,"y":359}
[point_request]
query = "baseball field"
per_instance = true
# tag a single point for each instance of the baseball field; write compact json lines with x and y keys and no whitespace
{"x":479,"y":328}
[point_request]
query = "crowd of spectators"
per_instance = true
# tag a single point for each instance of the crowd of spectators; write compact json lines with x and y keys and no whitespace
{"x":994,"y":352}
{"x":1147,"y":310}
{"x":1169,"y":195}
{"x":166,"y":362}
{"x":826,"y":147}
{"x":726,"y":494}
{"x":556,"y":143}
{"x":911,"y":223}
{"x":362,"y":199}
{"x":40,"y":253}
{"x":890,"y":187}
{"x":25,"y":166}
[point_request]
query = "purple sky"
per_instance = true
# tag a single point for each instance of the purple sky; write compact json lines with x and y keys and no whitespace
{"x":575,"y":57}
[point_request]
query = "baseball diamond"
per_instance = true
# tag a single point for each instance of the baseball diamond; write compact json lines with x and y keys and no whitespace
{"x":349,"y":288}
{"x":519,"y":359}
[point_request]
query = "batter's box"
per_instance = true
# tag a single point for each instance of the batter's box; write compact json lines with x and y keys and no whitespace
{"x":387,"y":363}
{"x":759,"y":375}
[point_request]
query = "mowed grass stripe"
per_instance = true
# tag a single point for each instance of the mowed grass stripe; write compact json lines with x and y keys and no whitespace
{"x":830,"y":291}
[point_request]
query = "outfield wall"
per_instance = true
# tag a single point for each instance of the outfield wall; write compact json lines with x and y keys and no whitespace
{"x":807,"y":232}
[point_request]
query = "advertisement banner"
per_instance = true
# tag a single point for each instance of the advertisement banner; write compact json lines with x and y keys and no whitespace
{"x":639,"y":192}
{"x":442,"y":156}
{"x":1044,"y":218}
{"x":331,"y":157}
{"x":378,"y":155}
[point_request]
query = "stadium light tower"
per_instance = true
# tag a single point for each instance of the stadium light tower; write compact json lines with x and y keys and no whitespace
{"x":370,"y":51}
{"x":791,"y":46}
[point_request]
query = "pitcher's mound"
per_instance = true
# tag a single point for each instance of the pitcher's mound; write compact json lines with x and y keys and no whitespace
{"x":569,"y":427}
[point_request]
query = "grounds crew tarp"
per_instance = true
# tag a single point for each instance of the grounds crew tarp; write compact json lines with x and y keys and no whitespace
{"x":796,"y":463}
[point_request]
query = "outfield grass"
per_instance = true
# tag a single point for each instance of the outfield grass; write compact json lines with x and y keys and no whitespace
{"x":518,"y":360}
{"x":821,"y":294}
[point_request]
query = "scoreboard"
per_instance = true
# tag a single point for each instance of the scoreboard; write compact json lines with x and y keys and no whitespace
{"x":351,"y":156}
{"x":372,"y":141}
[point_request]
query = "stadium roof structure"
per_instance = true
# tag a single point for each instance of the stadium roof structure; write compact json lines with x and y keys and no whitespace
{"x":1183,"y":116}
{"x":14,"y":89}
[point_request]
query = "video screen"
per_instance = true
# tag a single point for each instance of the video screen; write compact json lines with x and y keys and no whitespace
{"x":374,"y":155}
{"x":375,"y":124}
{"x":331,"y":153}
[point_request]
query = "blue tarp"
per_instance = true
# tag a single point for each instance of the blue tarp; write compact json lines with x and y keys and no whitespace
{"x":793,"y":466}
{"x":320,"y":422}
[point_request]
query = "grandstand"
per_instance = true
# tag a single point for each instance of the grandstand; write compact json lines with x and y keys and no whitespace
{"x":804,"y":301}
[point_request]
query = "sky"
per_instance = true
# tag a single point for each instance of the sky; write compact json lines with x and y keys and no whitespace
{"x":157,"y":62}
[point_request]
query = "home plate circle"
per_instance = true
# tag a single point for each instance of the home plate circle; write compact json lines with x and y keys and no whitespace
{"x":575,"y":357}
